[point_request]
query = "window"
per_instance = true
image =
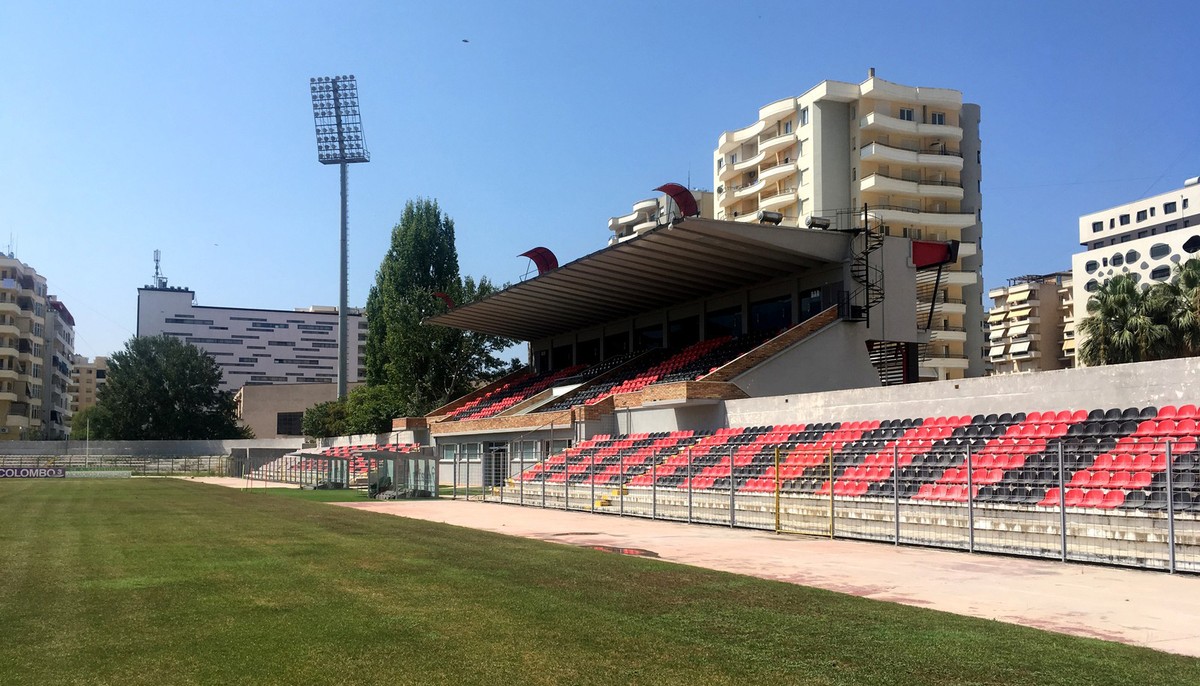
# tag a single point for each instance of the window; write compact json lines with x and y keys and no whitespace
{"x":1092,"y":286}
{"x":1097,"y":227}
{"x":1159,"y":250}
{"x":1117,"y":260}
{"x":733,"y":158}
{"x":1112,"y":223}
{"x":787,"y":126}
{"x":937,"y":118}
{"x":1097,"y":244}
{"x":1124,"y":219}
{"x":804,"y":120}
{"x":1169,"y":207}
{"x":1091,"y":266}
{"x":906,"y":113}
{"x":1141,"y":215}
{"x":1185,"y":203}
{"x":1160,"y":273}
{"x":1132,"y":256}
{"x":1171,"y":227}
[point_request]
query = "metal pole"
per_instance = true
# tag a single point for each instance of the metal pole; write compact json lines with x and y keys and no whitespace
{"x":592,"y":478}
{"x":1062,"y":506}
{"x":454,"y":475}
{"x":87,"y":445}
{"x":777,"y":486}
{"x":343,"y":285}
{"x":831,"y":492}
{"x":896,"y":491}
{"x":689,"y":483}
{"x":970,"y":504}
{"x":521,"y":464}
{"x":1170,"y":511}
{"x":566,"y":484}
{"x":732,"y":513}
{"x":621,"y":461}
{"x":653,"y":489}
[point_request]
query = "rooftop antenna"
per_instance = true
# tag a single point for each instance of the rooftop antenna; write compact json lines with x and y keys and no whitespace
{"x":160,"y":281}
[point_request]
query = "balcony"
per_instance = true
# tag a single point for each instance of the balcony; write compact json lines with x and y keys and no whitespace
{"x":950,"y":160}
{"x":748,"y":189}
{"x":726,"y":172}
{"x":777,"y":143}
{"x":948,"y":335}
{"x":779,"y":171}
{"x":750,"y":163}
{"x":941,"y":190}
{"x":781,"y":199}
{"x":876,"y":121}
{"x":946,"y":361}
{"x":908,"y":216}
{"x":730,"y":140}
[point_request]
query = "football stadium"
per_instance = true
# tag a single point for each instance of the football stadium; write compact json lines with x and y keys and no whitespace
{"x":722,"y":374}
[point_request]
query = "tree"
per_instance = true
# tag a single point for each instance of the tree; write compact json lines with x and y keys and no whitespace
{"x":159,"y":388}
{"x":1183,"y":294}
{"x":324,"y":420}
{"x":370,"y":410}
{"x":85,"y":421}
{"x":1126,"y":323}
{"x":425,"y":366}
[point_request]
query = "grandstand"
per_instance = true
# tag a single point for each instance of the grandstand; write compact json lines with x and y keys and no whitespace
{"x":748,"y":375}
{"x":347,"y":465}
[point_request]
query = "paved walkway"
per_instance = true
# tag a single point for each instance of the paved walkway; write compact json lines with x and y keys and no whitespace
{"x":1151,"y":609}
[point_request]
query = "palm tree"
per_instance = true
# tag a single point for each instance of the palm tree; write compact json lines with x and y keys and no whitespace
{"x":1184,"y":292}
{"x":1126,"y":324}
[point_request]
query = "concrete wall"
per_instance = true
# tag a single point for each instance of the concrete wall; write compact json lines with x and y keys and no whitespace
{"x":259,"y":406}
{"x":1169,"y":382}
{"x":833,"y":358}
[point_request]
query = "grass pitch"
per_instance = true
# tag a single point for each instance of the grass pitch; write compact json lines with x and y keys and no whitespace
{"x":150,"y":581}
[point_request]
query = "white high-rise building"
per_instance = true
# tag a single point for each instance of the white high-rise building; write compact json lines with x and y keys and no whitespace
{"x":911,"y":154}
{"x":1145,"y":238}
{"x":256,"y":346}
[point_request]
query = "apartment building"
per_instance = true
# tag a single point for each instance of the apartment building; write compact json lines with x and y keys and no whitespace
{"x":253,"y":345}
{"x":1026,"y":324}
{"x":23,"y":298}
{"x":910,"y":154}
{"x":87,"y":378}
{"x":649,"y":213}
{"x":57,"y":353}
{"x":1145,"y":238}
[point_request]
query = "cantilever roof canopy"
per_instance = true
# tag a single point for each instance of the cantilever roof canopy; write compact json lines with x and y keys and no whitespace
{"x":690,"y":259}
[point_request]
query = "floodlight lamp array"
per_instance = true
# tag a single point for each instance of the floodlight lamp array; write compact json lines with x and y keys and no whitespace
{"x":338,"y":123}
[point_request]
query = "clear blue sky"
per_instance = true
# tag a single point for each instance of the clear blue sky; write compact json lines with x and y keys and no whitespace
{"x":187,"y":127}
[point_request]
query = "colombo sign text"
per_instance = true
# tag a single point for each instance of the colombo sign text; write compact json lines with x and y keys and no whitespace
{"x":32,"y":472}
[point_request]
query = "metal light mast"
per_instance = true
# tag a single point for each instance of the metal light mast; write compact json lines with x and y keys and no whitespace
{"x":339,"y":141}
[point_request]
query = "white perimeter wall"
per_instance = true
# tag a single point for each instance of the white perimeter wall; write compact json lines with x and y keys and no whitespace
{"x":1170,"y":382}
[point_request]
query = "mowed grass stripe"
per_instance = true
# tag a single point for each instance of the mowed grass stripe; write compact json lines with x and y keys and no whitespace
{"x":150,"y":581}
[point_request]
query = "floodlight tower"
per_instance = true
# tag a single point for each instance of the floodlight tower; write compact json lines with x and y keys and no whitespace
{"x":339,"y":141}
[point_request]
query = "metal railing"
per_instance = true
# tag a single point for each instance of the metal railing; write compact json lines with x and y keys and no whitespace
{"x":1066,"y":503}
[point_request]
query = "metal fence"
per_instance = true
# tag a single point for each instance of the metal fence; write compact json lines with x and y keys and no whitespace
{"x":203,"y":465}
{"x":1068,"y":502}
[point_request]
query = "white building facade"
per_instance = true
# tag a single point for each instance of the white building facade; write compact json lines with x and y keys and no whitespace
{"x":911,"y":154}
{"x":1146,"y":238}
{"x":256,"y":346}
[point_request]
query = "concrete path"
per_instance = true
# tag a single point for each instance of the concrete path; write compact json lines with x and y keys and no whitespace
{"x":1151,"y":609}
{"x":235,"y":482}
